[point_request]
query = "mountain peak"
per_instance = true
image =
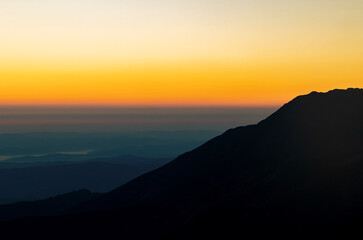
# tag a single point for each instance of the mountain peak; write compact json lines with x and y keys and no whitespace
{"x":339,"y":91}
{"x":332,"y":95}
{"x":334,"y":106}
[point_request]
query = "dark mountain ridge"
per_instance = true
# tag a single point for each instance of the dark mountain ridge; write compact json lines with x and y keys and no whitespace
{"x":300,"y":171}
{"x":311,"y":127}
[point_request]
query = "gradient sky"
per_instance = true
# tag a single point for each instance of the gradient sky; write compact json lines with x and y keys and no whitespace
{"x":177,"y":52}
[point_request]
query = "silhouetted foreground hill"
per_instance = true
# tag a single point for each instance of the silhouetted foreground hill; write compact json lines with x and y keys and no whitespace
{"x":300,"y":171}
{"x":48,"y":207}
{"x":96,"y":175}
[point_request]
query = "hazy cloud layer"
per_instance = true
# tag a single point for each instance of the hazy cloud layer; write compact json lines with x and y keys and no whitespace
{"x":34,"y":119}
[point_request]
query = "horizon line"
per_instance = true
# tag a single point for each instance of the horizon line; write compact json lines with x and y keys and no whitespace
{"x":107,"y":105}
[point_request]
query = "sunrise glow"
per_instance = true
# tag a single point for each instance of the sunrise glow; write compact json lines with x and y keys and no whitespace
{"x":177,"y":52}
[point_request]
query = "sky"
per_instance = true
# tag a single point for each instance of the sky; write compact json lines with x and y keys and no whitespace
{"x":177,"y":52}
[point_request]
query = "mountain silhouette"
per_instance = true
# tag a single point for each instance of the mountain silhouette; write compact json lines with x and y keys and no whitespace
{"x":300,"y":171}
{"x":310,"y":129}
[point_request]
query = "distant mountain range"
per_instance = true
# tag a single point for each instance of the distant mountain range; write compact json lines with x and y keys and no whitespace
{"x":47,"y":207}
{"x":298,"y":172}
{"x":34,"y":178}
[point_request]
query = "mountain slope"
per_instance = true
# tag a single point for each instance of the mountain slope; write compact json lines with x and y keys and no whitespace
{"x":309,"y":130}
{"x":298,"y":171}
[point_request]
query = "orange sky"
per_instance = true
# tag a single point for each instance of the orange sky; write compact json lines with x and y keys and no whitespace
{"x":179,"y":84}
{"x":177,"y":52}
